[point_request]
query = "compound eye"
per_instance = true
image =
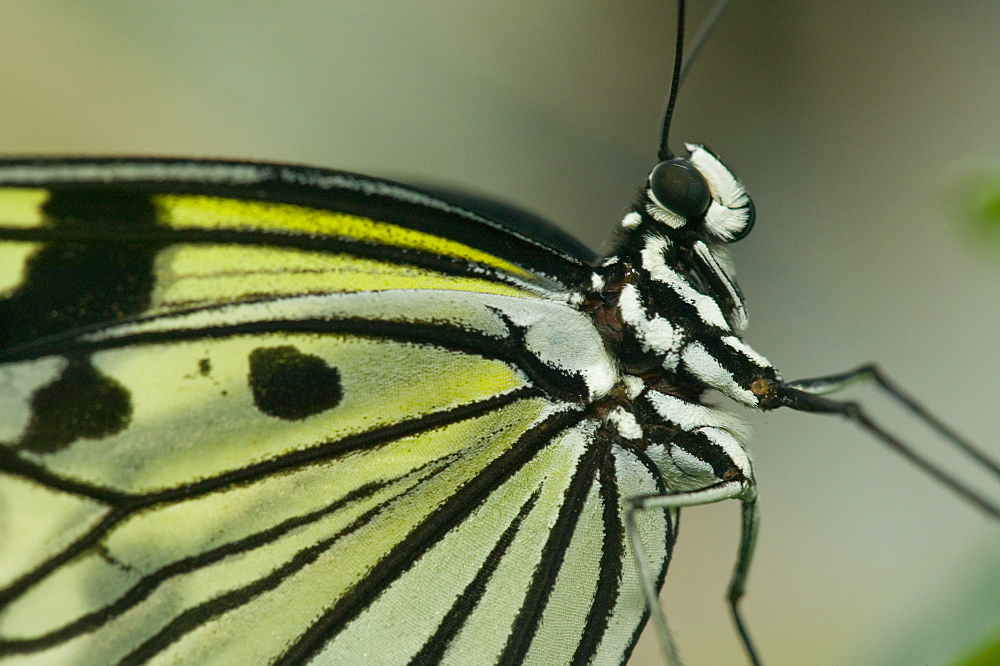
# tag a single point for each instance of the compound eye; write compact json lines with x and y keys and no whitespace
{"x":680,"y":188}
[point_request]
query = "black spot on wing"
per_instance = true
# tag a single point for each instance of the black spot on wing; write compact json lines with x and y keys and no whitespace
{"x":82,"y":403}
{"x":90,"y":279}
{"x":204,"y":367}
{"x":290,"y":385}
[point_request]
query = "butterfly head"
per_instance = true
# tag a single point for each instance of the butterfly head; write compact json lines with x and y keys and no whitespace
{"x":698,"y":195}
{"x":670,"y":282}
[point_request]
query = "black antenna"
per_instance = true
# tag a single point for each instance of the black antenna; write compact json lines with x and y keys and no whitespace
{"x":675,"y":83}
{"x":704,"y":31}
{"x":682,"y":63}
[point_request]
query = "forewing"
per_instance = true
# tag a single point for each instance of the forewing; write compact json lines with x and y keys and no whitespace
{"x":275,"y":414}
{"x":86,"y":242}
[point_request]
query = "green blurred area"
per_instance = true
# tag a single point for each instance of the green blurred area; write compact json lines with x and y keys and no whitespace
{"x":977,"y":198}
{"x":988,"y":654}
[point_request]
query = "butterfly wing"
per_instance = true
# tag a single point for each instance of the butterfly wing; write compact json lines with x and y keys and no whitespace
{"x":280,"y":414}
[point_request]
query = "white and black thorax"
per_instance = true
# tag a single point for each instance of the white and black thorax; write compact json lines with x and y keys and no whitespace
{"x":671,"y":313}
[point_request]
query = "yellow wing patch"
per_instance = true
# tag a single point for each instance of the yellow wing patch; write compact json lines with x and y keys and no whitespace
{"x":21,"y":206}
{"x":193,"y":275}
{"x":13,"y":258}
{"x":205,"y":212}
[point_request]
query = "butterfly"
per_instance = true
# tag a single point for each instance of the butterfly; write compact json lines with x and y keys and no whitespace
{"x":279,"y":413}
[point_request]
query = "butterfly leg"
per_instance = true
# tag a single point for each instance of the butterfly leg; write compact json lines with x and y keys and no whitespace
{"x":750,"y":521}
{"x":673,"y":502}
{"x":806,"y":395}
{"x":872,"y":373}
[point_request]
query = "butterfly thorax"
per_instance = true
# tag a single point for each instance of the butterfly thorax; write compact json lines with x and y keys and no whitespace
{"x":671,"y":314}
{"x":665,"y":300}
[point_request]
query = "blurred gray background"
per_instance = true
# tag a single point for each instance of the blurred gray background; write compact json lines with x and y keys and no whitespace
{"x":849,"y":122}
